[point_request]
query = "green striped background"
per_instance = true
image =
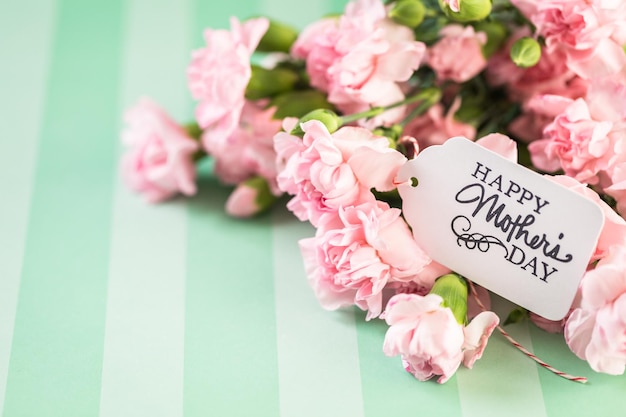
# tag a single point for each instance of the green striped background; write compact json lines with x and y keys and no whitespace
{"x":109,"y":307}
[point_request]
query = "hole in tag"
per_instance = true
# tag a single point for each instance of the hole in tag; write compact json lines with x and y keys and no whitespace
{"x":414,"y":182}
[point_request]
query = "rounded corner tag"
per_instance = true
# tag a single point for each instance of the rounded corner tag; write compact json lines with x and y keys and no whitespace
{"x":501,"y":225}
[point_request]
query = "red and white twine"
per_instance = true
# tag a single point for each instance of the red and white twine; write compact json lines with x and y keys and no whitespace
{"x":525,"y":351}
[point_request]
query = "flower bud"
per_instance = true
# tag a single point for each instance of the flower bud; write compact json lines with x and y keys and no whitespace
{"x":468,"y":10}
{"x":328,"y":118}
{"x":249,"y":198}
{"x":453,"y":289}
{"x":278,"y":38}
{"x":299,"y":103}
{"x":408,"y":13}
{"x":525,"y":52}
{"x":269,"y":82}
{"x":193,"y":130}
{"x":408,"y":146}
{"x":392,"y":133}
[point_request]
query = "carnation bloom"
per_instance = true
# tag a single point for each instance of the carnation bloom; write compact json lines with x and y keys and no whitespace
{"x":430,"y":340}
{"x":360,"y":58}
{"x":538,"y":112}
{"x":242,"y":201}
{"x":549,"y":76}
{"x":159,"y":161}
{"x":354,"y":255}
{"x":589,"y":32}
{"x":219,"y":73}
{"x":325,"y":172}
{"x":434,"y":128}
{"x":576,"y":143}
{"x":248,"y":149}
{"x":587,"y":138}
{"x":596,"y":332}
{"x":249,"y":198}
{"x":458,"y":56}
{"x":596,"y":329}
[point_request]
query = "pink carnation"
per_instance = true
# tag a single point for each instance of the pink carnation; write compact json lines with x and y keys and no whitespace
{"x":596,"y":332}
{"x":354,"y":255}
{"x":325,"y":172}
{"x":315,"y":45}
{"x":575,"y":142}
{"x":242,"y":201}
{"x":549,"y":76}
{"x":360,"y":58}
{"x":590,"y":32}
{"x":430,"y":340}
{"x":538,"y":112}
{"x":434,"y":128}
{"x":159,"y":162}
{"x":219,"y":73}
{"x":587,"y":138}
{"x":458,"y":56}
{"x":249,"y":149}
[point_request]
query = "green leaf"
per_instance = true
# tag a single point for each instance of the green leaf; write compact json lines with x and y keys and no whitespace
{"x":517,"y":315}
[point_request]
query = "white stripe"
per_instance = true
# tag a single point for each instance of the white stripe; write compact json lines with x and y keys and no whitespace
{"x":505,"y":382}
{"x":23,"y":85}
{"x":144,"y":338}
{"x":318,"y":356}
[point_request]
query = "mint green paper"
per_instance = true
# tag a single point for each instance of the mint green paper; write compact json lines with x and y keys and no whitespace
{"x":58,"y":338}
{"x":22,"y":81}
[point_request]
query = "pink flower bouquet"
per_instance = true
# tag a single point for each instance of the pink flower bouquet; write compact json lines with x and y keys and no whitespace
{"x":330,"y":115}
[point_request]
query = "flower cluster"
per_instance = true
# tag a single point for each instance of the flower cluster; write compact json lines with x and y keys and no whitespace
{"x":329,"y":115}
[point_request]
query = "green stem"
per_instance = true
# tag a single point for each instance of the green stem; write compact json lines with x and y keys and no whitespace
{"x":427,"y":97}
{"x":430,"y":12}
{"x":423,"y":106}
{"x":374,"y":111}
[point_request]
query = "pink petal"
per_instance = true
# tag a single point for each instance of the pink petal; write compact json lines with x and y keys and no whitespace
{"x":477,"y":335}
{"x":409,"y":306}
{"x":377,"y":175}
{"x":500,"y":144}
{"x":578,"y":331}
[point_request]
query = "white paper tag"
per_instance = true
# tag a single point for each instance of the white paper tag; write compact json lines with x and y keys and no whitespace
{"x":500,"y":224}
